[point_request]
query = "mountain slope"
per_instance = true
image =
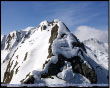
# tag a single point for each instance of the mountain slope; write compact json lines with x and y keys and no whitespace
{"x":49,"y":52}
{"x":99,"y":50}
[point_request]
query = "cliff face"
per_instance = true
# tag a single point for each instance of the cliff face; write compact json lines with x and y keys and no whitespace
{"x":49,"y":52}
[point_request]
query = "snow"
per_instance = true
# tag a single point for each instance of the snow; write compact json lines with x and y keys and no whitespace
{"x":99,"y":50}
{"x":64,"y":44}
{"x":55,"y":80}
{"x":66,"y":51}
{"x":36,"y":46}
{"x":3,"y":68}
{"x":79,"y":54}
{"x":70,"y":77}
{"x":44,"y":22}
{"x":33,"y":63}
{"x":2,"y":36}
{"x":56,"y":20}
{"x":101,"y":72}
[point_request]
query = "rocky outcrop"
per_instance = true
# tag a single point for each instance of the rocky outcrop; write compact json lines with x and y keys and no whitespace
{"x":54,"y":69}
{"x":80,"y":67}
{"x":54,"y":33}
{"x":8,"y":41}
{"x":9,"y":73}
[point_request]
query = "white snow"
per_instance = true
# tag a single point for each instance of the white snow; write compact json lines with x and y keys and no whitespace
{"x":44,"y":22}
{"x":36,"y":46}
{"x":56,"y":20}
{"x":55,"y":80}
{"x":99,"y":50}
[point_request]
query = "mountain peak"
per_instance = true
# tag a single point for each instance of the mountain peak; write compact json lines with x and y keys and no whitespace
{"x":93,"y":40}
{"x":49,"y":50}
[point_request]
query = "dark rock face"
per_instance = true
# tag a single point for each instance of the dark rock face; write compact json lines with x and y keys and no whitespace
{"x":81,"y":45}
{"x":54,"y":33}
{"x":25,"y":56}
{"x":45,"y":63}
{"x":54,"y":69}
{"x":8,"y":41}
{"x":63,"y":35}
{"x":30,"y":80}
{"x":27,"y":35}
{"x":51,"y":23}
{"x":9,"y":73}
{"x":17,"y":70}
{"x":17,"y":40}
{"x":44,"y":27}
{"x":80,"y":67}
{"x":7,"y":77}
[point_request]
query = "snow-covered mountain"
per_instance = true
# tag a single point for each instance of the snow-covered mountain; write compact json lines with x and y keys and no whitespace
{"x":99,"y":50}
{"x":50,"y":54}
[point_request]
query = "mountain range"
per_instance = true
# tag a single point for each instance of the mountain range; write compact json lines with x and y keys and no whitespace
{"x":51,"y":54}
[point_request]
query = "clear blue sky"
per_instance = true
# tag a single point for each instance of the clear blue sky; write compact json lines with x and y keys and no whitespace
{"x":16,"y":15}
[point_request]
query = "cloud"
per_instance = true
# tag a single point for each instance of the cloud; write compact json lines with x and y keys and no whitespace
{"x":86,"y":32}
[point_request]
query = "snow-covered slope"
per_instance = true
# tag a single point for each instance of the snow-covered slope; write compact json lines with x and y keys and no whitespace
{"x":48,"y":54}
{"x":99,"y":50}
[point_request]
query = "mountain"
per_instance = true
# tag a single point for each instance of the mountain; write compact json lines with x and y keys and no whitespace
{"x":99,"y":50}
{"x":48,"y":54}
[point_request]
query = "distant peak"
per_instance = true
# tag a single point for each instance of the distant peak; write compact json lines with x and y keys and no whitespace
{"x":93,"y":40}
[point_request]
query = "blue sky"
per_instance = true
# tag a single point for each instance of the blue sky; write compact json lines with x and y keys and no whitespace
{"x":19,"y":15}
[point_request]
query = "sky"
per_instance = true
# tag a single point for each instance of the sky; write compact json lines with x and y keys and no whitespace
{"x":17,"y":15}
